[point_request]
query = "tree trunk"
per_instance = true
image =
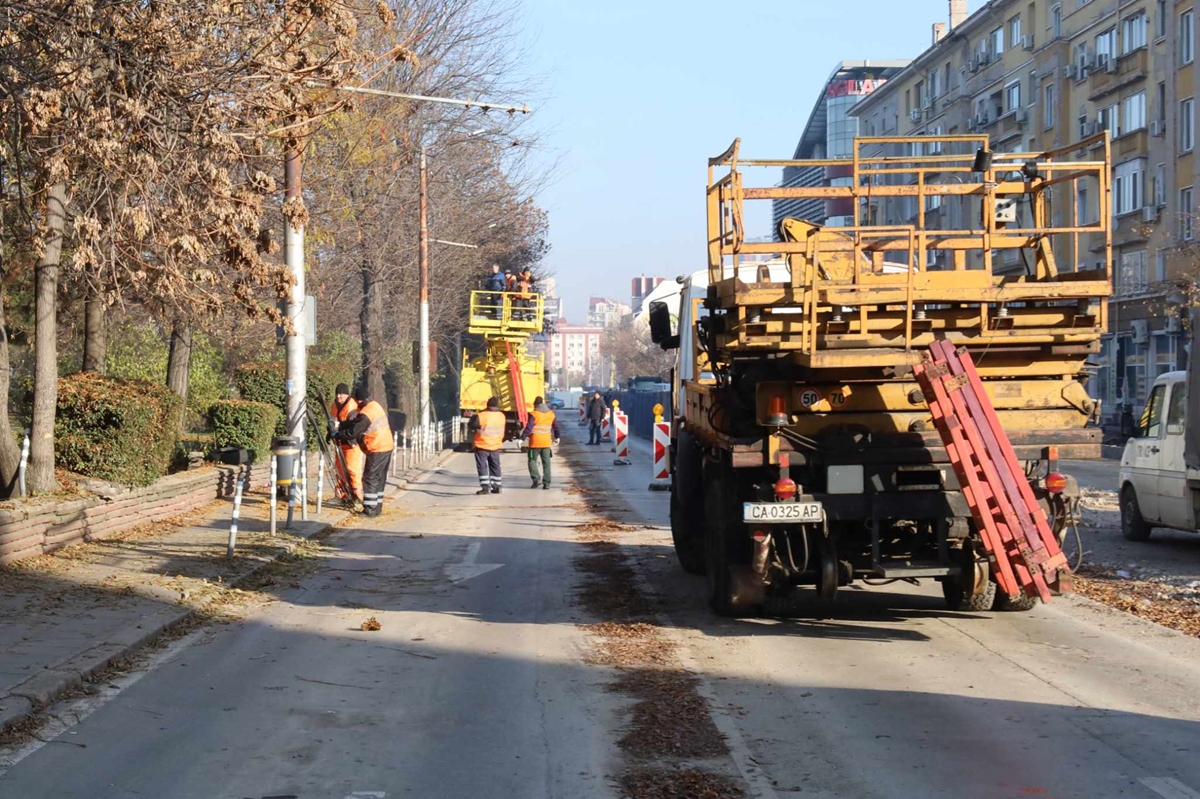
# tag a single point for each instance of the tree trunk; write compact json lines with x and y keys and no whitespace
{"x":10,"y":453}
{"x":40,"y":478}
{"x":179,"y":362}
{"x":95,"y":332}
{"x":371,"y":326}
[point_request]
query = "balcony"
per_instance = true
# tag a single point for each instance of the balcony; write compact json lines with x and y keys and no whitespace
{"x":1130,"y":68}
{"x":1012,"y":124}
{"x":1131,"y":144}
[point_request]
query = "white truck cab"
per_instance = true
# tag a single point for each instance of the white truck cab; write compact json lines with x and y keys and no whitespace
{"x":1157,"y":489}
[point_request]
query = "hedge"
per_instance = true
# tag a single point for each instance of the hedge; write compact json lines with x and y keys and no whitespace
{"x":122,"y":431}
{"x":264,"y":382}
{"x":238,"y":423}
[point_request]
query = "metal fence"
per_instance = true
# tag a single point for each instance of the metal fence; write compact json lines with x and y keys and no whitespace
{"x":639,"y":406}
{"x":415,"y":445}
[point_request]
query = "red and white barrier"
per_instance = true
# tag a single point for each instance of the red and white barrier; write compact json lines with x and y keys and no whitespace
{"x":661,"y":481}
{"x":606,"y":426}
{"x":582,"y":411}
{"x":622,"y":443}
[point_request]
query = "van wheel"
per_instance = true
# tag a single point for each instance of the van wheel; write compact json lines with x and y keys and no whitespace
{"x":687,"y":509}
{"x":1133,"y":526}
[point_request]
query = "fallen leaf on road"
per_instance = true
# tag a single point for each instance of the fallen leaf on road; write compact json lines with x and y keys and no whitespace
{"x":371,"y":625}
{"x":417,"y":535}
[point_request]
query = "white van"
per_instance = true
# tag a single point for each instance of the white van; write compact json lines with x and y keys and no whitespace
{"x":1157,"y":489}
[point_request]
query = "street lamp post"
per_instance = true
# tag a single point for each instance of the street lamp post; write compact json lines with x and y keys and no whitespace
{"x":423,"y":282}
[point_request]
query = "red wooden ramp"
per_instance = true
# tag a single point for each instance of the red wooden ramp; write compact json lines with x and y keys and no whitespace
{"x":1024,"y":553}
{"x":518,"y":384}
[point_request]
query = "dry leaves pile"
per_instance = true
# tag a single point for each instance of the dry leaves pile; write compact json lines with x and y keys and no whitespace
{"x":677,"y":784}
{"x":371,"y":625}
{"x":1159,"y":601}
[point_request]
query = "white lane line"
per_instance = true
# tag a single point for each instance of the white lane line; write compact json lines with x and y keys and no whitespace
{"x":468,"y":569}
{"x":65,"y":715}
{"x":1169,"y":788}
{"x":366,"y":795}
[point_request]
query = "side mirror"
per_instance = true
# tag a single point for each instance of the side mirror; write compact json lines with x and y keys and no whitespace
{"x":660,"y":326}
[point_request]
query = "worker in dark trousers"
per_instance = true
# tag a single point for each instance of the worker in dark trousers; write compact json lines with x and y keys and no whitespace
{"x":542,"y":431}
{"x":370,"y":429}
{"x":595,"y":415}
{"x":489,"y":438}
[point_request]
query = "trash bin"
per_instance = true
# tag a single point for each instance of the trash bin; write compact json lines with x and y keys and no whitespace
{"x":286,"y":450}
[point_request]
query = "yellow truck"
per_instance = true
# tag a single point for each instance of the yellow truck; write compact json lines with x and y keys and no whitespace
{"x":804,"y":452}
{"x":506,"y":369}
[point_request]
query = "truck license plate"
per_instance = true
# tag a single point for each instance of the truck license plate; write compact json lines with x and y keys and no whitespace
{"x":783,"y":512}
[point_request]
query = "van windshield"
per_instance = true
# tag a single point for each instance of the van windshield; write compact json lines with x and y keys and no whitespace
{"x":1152,"y":415}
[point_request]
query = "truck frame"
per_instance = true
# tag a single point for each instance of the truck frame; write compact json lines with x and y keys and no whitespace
{"x":794,"y":382}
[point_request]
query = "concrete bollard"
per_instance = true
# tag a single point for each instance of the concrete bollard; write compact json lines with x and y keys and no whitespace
{"x":237,"y":509}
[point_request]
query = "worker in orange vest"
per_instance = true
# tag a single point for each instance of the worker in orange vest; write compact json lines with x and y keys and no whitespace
{"x":350,"y":468}
{"x":369,"y":429}
{"x":542,"y":431}
{"x":489,"y":438}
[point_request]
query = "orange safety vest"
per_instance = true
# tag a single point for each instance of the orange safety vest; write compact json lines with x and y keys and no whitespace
{"x":490,"y":435}
{"x":345,"y":412}
{"x":378,"y":436}
{"x":543,"y":422}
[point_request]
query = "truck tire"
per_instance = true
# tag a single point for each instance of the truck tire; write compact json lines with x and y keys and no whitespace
{"x":1133,"y":526}
{"x":721,"y":549}
{"x":687,"y":506}
{"x":1007,"y":604}
{"x":959,"y":593}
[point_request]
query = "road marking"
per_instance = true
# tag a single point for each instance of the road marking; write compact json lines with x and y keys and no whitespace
{"x":1169,"y":788}
{"x":468,"y":569}
{"x":366,"y":795}
{"x":65,"y":715}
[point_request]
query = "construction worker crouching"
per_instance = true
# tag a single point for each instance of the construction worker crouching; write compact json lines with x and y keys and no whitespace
{"x":489,"y":438}
{"x":369,"y":429}
{"x":542,"y":431}
{"x":350,"y":467}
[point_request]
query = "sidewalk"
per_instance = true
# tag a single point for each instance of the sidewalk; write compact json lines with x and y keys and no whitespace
{"x":67,"y":616}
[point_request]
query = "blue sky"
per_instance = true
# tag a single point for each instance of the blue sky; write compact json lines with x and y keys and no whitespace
{"x":642,"y":93}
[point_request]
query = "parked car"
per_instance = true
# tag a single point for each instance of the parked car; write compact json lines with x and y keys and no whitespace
{"x":555,"y":404}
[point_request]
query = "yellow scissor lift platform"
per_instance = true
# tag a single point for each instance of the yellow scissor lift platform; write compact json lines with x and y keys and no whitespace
{"x":506,"y":371}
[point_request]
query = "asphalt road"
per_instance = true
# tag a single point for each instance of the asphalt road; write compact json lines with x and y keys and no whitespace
{"x":1100,"y":474}
{"x":479,"y":682}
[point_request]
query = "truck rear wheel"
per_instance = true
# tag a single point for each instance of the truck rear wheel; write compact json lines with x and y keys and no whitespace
{"x":687,"y":506}
{"x":973,"y":589}
{"x":1021,"y":604}
{"x":722,"y":552}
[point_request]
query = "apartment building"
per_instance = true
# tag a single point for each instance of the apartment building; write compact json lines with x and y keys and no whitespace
{"x":1040,"y":75}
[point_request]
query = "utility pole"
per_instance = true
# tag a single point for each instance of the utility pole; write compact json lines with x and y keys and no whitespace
{"x":297,"y":351}
{"x":424,"y":292}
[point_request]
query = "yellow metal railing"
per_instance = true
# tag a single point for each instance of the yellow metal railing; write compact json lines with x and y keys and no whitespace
{"x":510,"y":314}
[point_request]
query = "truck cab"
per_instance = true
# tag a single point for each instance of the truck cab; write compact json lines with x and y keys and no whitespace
{"x":1156,"y":487}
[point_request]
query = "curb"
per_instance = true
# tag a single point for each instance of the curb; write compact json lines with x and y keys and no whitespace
{"x":36,"y":693}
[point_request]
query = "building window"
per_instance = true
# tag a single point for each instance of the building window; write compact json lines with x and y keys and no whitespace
{"x":1106,"y":47}
{"x":1160,"y":19}
{"x":1187,"y":45}
{"x":1109,"y":119}
{"x":1081,"y":58}
{"x":1012,"y":96}
{"x":1083,"y":125}
{"x":997,"y":42}
{"x":1056,"y":22}
{"x":920,"y":93}
{"x":1187,"y":228}
{"x":1160,"y":110}
{"x":935,"y":87}
{"x":1127,"y":186}
{"x":1160,"y":266}
{"x":1133,"y":33}
{"x":1082,"y":211}
{"x":1160,"y":185}
{"x":1133,"y":272}
{"x":1134,"y":112}
{"x":1014,"y":32}
{"x":1049,"y":111}
{"x":1187,"y":125}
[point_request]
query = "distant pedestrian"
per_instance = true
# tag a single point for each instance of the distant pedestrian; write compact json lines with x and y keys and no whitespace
{"x":489,"y":438}
{"x":595,"y":415}
{"x":542,"y":431}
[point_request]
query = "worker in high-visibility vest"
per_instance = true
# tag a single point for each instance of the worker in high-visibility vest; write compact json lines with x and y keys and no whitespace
{"x":369,"y":428}
{"x":489,"y":438}
{"x":350,"y":468}
{"x":542,"y":431}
